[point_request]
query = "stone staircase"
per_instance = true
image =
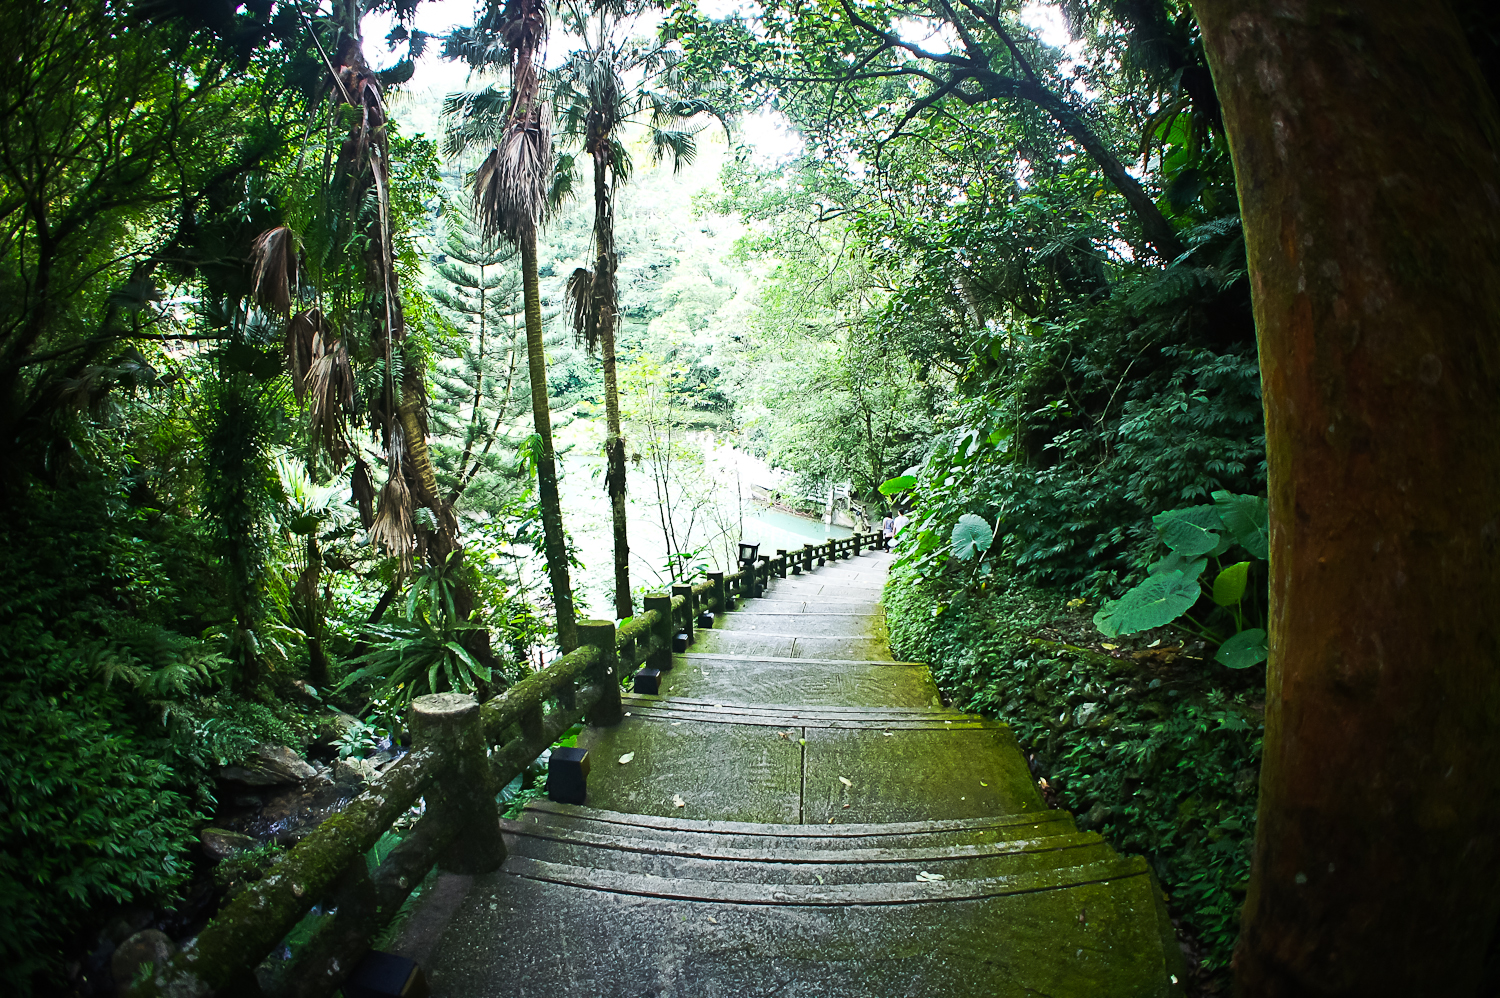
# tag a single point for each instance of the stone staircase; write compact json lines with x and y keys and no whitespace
{"x":797,"y":814}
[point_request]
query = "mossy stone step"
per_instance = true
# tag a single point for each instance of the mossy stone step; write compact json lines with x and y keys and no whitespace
{"x":751,"y":835}
{"x":913,"y":891}
{"x":770,"y":604}
{"x":806,"y":624}
{"x":547,"y":934}
{"x":785,"y":863}
{"x":807,"y":682}
{"x":777,"y":826}
{"x":791,"y":645}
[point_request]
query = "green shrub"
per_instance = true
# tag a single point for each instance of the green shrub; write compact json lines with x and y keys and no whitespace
{"x":88,"y":814}
{"x":1163,"y":762}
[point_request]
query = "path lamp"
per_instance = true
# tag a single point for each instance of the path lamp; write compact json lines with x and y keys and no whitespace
{"x":748,"y":554}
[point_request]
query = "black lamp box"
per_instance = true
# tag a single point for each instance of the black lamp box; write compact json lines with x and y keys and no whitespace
{"x":706,"y":620}
{"x":568,"y":775}
{"x":680,"y":642}
{"x":647,"y":681}
{"x":385,"y":975}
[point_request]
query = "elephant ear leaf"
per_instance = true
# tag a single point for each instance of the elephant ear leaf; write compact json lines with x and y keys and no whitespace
{"x":1229,"y":587}
{"x":1159,"y":600}
{"x":900,"y":483}
{"x":1174,"y":562}
{"x":971,"y":536}
{"x":1245,"y":649}
{"x":1190,"y":532}
{"x":1248,"y":518}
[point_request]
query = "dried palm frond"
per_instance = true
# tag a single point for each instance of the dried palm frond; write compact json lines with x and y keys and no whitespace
{"x":273,"y":278}
{"x":300,"y":333}
{"x":576,"y":297}
{"x":393,"y":531}
{"x":510,"y":186}
{"x":330,"y":386}
{"x":362,"y":487}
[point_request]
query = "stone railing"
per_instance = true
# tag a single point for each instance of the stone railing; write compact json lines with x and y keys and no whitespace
{"x":462,"y":753}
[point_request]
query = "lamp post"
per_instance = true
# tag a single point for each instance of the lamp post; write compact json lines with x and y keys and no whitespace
{"x":748,"y":555}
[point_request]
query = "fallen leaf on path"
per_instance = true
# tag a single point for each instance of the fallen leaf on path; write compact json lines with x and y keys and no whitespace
{"x":846,"y":781}
{"x":677,"y":801}
{"x":983,"y":784}
{"x":886,"y":733}
{"x":928,"y":878}
{"x":713,"y":920}
{"x":626,"y":757}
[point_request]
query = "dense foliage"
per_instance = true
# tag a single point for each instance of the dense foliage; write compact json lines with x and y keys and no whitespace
{"x":1161,"y":756}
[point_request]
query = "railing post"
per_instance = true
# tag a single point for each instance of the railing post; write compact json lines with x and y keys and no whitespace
{"x":781,"y":563}
{"x":720,"y":595}
{"x":807,"y":557}
{"x":857,"y":538}
{"x":601,"y":634}
{"x":688,"y":609}
{"x":661,"y":658}
{"x":464,"y":795}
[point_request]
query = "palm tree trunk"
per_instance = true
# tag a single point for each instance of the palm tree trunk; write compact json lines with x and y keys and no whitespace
{"x":614,"y":441}
{"x":554,"y":546}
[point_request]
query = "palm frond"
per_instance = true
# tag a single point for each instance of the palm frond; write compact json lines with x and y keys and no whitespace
{"x":273,"y":278}
{"x":680,"y":144}
{"x":511,"y":185}
{"x":329,"y":384}
{"x":393,"y":531}
{"x":577,"y":295}
{"x":298,"y":342}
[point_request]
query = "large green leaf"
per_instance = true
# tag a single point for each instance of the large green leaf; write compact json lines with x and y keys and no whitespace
{"x":971,"y":536}
{"x":1192,"y":531}
{"x":1229,"y":587}
{"x":1159,"y":600}
{"x":1174,"y":562}
{"x":1245,"y":649}
{"x":1248,"y":518}
{"x":900,"y":483}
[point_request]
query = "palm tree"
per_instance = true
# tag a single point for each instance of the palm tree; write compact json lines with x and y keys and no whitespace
{"x":594,"y":104}
{"x":511,"y":197}
{"x":341,"y":298}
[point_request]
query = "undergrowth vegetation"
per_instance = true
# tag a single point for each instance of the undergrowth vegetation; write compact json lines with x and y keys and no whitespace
{"x":1156,"y":750}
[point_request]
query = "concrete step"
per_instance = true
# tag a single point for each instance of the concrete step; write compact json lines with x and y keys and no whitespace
{"x":806,"y":624}
{"x":673,"y":709}
{"x":716,"y":764}
{"x":539,"y":930}
{"x":770,"y":605}
{"x":914,"y":891}
{"x":690,"y":835}
{"x":805,"y":681}
{"x":782,"y":860}
{"x":755,"y":644}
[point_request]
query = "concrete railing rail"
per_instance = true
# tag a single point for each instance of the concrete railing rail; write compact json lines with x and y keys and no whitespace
{"x":462,"y":753}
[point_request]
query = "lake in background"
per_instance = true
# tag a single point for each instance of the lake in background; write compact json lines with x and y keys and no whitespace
{"x":711,"y":519}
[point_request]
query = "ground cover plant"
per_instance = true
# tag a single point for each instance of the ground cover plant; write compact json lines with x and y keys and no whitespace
{"x":1146,"y":740}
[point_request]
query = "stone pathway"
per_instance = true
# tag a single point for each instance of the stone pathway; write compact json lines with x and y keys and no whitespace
{"x":800,"y":816}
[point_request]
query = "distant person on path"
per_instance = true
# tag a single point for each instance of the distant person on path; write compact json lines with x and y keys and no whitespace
{"x":901,"y":521}
{"x":887,"y":531}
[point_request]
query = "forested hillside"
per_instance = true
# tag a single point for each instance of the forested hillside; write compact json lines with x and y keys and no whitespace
{"x":323,"y":387}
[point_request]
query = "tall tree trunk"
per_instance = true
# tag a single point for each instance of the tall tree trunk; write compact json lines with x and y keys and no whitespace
{"x":555,"y":547}
{"x":1365,"y":149}
{"x":605,"y":314}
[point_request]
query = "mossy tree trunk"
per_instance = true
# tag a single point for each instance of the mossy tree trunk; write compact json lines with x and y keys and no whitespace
{"x":605,"y":314}
{"x":1365,"y":148}
{"x":554,"y":545}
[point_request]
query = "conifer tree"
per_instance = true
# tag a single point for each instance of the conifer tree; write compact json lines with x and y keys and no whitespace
{"x":476,"y":396}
